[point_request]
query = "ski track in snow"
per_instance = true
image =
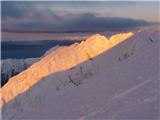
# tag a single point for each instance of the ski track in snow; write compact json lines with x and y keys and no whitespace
{"x":126,"y":92}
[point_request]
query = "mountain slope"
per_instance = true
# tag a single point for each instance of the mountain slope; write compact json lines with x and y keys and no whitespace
{"x":121,"y":83}
{"x":58,"y":61}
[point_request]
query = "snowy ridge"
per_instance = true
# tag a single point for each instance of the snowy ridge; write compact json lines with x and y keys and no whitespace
{"x":121,"y":83}
{"x":58,"y":61}
{"x":50,"y":50}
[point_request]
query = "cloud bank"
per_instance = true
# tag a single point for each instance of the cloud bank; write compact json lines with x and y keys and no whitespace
{"x":27,"y":17}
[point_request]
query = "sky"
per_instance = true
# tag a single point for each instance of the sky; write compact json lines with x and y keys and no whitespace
{"x":52,"y":16}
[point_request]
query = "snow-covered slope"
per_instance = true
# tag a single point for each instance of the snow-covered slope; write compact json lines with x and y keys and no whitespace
{"x":11,"y":67}
{"x":60,"y":59}
{"x":121,"y":83}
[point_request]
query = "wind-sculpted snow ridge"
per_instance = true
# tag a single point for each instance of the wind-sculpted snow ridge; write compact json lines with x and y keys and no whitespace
{"x":61,"y":59}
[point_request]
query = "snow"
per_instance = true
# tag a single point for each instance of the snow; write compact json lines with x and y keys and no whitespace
{"x":117,"y":79}
{"x":58,"y":61}
{"x":50,"y":50}
{"x":16,"y":64}
{"x":10,"y":67}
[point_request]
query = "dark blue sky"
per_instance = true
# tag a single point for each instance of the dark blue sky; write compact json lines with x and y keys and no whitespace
{"x":67,"y":16}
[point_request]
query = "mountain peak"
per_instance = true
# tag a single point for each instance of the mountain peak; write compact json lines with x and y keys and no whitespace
{"x":96,"y":37}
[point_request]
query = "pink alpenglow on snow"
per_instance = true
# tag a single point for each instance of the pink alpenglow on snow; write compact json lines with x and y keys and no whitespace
{"x":100,"y":78}
{"x":57,"y":61}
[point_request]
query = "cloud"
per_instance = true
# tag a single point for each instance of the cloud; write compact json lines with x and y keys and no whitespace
{"x":81,"y":23}
{"x":13,"y":10}
{"x":27,"y":13}
{"x":27,"y":17}
{"x":91,"y":22}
